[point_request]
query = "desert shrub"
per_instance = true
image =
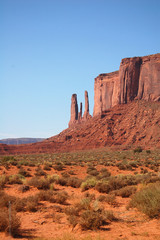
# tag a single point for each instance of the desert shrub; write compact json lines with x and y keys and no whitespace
{"x":47,"y":166}
{"x":39,"y":183}
{"x":15,"y":179}
{"x":138,"y":150}
{"x":119,"y":181}
{"x":43,"y":184}
{"x":146,"y":178}
{"x":89,"y":183}
{"x":5,"y":199}
{"x":134,"y":164}
{"x":72,"y":211}
{"x":101,"y":198}
{"x":62,"y":181}
{"x":39,"y":171}
{"x":23,"y":172}
{"x":46,"y":195}
{"x":84,"y":204}
{"x":7,"y":160}
{"x":91,"y":196}
{"x":88,"y":215}
{"x":102,"y":187}
{"x":116,"y":182}
{"x":75,"y":210}
{"x":61,"y":197}
{"x":59,"y":167}
{"x":73,"y":220}
{"x":125,"y":191}
{"x":3,"y":220}
{"x":53,"y":196}
{"x":92,"y":171}
{"x":143,"y":171}
{"x":24,"y":188}
{"x":3,"y":181}
{"x":53,"y":178}
{"x":71,"y":172}
{"x":19,"y":205}
{"x":109,"y":215}
{"x":65,"y":175}
{"x":74,"y":182}
{"x":91,"y":219}
{"x":147,"y":200}
{"x":31,"y":203}
{"x":4,"y":223}
{"x":148,"y":151}
{"x":109,"y":198}
{"x":121,"y":166}
{"x":104,"y":173}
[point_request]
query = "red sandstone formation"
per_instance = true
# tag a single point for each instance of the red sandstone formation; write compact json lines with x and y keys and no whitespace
{"x":123,"y":126}
{"x":86,"y":114}
{"x":74,"y":110}
{"x":137,"y":78}
{"x":135,"y":124}
{"x":75,"y":116}
{"x":80,"y":113}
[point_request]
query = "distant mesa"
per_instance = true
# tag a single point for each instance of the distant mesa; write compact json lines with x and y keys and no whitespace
{"x":138,"y":78}
{"x":18,"y":141}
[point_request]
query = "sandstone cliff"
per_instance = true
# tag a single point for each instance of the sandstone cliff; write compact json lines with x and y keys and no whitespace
{"x":137,"y":78}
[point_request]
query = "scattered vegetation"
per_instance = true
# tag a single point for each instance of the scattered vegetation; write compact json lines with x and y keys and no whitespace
{"x":147,"y":200}
{"x":106,"y":177}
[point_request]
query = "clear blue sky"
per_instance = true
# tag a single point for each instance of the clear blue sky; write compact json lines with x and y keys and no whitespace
{"x":50,"y":49}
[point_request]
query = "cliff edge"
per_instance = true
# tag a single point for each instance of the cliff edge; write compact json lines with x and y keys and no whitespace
{"x":137,"y":78}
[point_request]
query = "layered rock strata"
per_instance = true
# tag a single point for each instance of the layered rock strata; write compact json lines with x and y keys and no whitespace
{"x":137,"y":78}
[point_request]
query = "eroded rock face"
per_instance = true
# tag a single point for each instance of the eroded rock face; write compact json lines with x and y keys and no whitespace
{"x":137,"y":78}
{"x":74,"y":110}
{"x":105,"y":92}
{"x":149,"y":80}
{"x":76,"y":117}
{"x":80,"y":113}
{"x":86,"y":114}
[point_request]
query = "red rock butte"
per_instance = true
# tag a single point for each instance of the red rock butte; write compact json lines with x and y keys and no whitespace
{"x":137,"y":78}
{"x":126,"y":112}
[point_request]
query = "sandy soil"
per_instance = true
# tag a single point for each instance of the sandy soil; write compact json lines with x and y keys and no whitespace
{"x":50,"y":222}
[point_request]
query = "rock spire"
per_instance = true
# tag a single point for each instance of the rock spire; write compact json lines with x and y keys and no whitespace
{"x":76,"y":117}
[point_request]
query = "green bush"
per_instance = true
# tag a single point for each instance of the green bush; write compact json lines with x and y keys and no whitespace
{"x":125,"y":192}
{"x":24,"y":173}
{"x":74,"y":182}
{"x":91,"y":219}
{"x":3,"y":181}
{"x":102,"y":187}
{"x":39,"y":183}
{"x":15,"y":179}
{"x":89,"y":215}
{"x":89,"y":183}
{"x":147,"y":200}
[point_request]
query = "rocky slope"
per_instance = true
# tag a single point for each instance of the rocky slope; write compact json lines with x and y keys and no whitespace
{"x":126,"y":112}
{"x":127,"y":125}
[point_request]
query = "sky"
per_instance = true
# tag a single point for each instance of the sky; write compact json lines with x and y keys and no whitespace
{"x":50,"y":49}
